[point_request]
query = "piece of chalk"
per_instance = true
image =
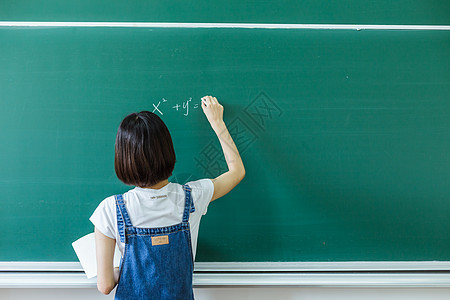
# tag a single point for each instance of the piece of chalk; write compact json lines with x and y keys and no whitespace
{"x":204,"y":101}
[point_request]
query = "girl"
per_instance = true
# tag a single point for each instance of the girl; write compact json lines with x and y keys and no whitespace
{"x":155,"y":225}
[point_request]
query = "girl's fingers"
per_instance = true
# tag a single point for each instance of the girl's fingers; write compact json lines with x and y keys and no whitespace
{"x":207,"y":100}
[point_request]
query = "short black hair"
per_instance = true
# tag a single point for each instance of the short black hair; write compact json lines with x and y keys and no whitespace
{"x":144,"y":153}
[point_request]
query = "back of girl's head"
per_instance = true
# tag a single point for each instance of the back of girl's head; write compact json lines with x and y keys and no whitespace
{"x":144,"y":153}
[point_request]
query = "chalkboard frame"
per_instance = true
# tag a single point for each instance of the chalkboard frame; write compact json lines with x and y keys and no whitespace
{"x":356,"y":266}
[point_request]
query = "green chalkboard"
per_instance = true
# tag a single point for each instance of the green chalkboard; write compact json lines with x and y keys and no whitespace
{"x":344,"y":135}
{"x":400,"y":12}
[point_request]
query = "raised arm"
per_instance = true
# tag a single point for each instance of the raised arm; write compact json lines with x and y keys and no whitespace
{"x":236,"y":171}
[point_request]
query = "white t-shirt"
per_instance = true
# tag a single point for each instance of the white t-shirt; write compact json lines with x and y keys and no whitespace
{"x":150,"y":208}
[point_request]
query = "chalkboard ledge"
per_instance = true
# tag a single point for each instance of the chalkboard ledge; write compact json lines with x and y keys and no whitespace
{"x":310,"y":279}
{"x":323,"y":274}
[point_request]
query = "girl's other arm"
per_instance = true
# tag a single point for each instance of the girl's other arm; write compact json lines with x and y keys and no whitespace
{"x":107,"y":276}
{"x":236,"y":171}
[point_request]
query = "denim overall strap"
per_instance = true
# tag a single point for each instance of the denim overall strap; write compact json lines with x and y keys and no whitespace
{"x":189,"y":204}
{"x":123,"y":220}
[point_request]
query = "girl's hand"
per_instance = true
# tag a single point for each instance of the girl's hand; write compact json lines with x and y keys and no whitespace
{"x":213,"y":111}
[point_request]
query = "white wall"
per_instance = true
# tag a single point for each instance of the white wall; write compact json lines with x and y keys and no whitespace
{"x":247,"y":293}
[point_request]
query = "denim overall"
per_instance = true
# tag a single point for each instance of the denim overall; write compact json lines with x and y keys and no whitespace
{"x":157,"y":263}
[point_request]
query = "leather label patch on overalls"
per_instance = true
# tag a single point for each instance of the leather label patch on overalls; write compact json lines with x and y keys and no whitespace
{"x":160,"y":240}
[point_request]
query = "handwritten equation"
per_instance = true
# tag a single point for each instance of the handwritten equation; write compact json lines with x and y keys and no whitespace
{"x":182,"y":108}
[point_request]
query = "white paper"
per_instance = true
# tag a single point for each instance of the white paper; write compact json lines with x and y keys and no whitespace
{"x":85,"y":250}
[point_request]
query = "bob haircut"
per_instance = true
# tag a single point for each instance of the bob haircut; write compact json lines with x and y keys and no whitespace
{"x":144,"y":153}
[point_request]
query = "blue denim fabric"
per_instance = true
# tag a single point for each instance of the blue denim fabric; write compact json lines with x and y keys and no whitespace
{"x":155,"y":271}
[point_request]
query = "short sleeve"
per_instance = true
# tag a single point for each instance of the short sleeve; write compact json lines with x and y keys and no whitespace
{"x":202,"y":192}
{"x":104,"y":218}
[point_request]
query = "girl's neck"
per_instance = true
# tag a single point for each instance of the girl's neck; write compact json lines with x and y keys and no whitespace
{"x":157,"y":186}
